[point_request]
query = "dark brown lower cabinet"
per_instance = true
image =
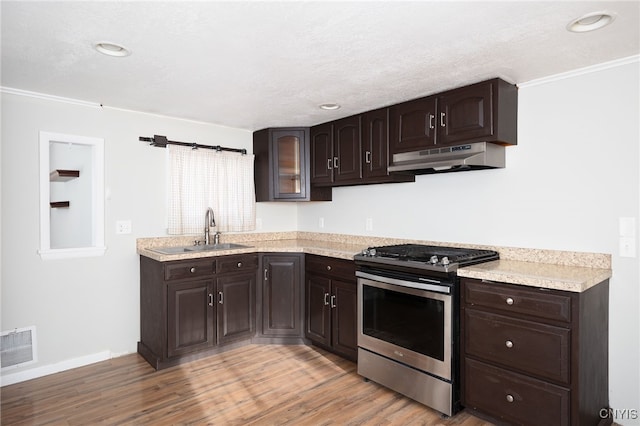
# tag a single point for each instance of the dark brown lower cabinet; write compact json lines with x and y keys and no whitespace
{"x":191,"y":308}
{"x":532,"y":356}
{"x":236,"y":307}
{"x":190,"y":321}
{"x":331,"y":304}
{"x":281,"y":296}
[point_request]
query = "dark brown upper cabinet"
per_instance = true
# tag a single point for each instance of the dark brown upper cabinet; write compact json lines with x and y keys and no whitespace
{"x":335,"y":149}
{"x":352,"y":151}
{"x":413,"y":125}
{"x":322,"y":154}
{"x":375,"y":149}
{"x":481,"y":112}
{"x":282,"y":171}
{"x":347,"y":165}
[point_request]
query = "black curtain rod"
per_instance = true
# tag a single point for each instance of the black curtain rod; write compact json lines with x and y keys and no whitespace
{"x":162,"y":142}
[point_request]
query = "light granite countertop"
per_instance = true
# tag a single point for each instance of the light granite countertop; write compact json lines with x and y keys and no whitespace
{"x":541,"y":275}
{"x":560,"y":270}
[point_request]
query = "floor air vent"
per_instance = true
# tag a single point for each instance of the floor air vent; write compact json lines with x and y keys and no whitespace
{"x":17,"y":347}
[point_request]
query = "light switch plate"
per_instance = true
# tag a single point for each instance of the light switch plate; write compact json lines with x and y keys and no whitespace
{"x":627,"y":226}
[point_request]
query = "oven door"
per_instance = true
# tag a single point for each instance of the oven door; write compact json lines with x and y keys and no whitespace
{"x":407,"y":324}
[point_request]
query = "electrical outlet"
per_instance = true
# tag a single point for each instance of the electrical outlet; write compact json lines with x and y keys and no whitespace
{"x":123,"y":227}
{"x":368,"y":226}
{"x":627,"y":247}
{"x":258,"y":223}
{"x":321,"y":222}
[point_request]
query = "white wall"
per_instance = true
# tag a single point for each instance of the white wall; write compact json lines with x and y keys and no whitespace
{"x":88,"y":308}
{"x":574,"y":172}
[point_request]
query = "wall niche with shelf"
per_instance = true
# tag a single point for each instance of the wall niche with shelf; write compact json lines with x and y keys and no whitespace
{"x":71,"y":196}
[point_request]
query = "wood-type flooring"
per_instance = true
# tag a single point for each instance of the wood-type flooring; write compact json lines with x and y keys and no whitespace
{"x":251,"y":385}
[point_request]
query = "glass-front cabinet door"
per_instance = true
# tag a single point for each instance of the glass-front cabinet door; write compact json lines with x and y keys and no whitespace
{"x":289,"y":163}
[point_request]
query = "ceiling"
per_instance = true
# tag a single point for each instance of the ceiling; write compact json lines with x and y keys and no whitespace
{"x":260,"y":64}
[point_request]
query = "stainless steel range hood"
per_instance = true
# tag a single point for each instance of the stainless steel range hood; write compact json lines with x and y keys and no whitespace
{"x":480,"y":155}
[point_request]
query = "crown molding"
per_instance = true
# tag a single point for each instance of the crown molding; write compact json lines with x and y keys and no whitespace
{"x":581,"y":71}
{"x":20,"y":92}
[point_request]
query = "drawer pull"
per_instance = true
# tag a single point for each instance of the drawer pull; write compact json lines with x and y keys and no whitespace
{"x":508,"y":344}
{"x":509,"y":398}
{"x":328,"y":267}
{"x":193,"y":269}
{"x":239,"y":264}
{"x":509,"y":301}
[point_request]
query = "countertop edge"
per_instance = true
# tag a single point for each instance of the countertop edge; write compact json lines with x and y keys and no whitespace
{"x":518,"y":272}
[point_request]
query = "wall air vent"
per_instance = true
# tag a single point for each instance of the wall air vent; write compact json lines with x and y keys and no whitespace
{"x":18,"y":347}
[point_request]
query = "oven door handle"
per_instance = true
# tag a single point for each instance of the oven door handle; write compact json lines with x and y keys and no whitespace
{"x":433,"y":285}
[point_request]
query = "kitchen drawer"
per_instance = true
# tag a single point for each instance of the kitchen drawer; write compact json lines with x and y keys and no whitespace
{"x":189,"y":269}
{"x":535,"y":348}
{"x":517,"y":299}
{"x":237,"y":263}
{"x":514,"y":398}
{"x":331,"y":266}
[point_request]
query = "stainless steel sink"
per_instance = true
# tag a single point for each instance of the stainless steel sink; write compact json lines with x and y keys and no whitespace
{"x":201,"y":248}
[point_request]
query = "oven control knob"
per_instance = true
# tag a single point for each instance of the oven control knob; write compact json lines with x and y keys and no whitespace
{"x":369,"y":252}
{"x":445,"y":261}
{"x":434,"y":259}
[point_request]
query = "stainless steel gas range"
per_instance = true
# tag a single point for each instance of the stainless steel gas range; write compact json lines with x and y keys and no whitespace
{"x":408,"y":319}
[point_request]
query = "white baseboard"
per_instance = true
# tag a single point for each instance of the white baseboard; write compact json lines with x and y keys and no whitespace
{"x":45,"y":370}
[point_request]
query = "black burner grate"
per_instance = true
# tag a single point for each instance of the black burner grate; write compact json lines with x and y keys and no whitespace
{"x":422,"y":253}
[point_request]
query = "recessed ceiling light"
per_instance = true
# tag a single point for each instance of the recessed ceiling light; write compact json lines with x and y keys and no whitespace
{"x":329,"y":107}
{"x":111,"y":49}
{"x":590,"y":21}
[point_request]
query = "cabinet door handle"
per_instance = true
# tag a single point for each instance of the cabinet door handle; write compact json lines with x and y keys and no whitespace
{"x":442,"y":119}
{"x":508,"y":344}
{"x":329,"y":164}
{"x":239,"y":264}
{"x":335,"y":162}
{"x":509,"y":301}
{"x":193,"y":269}
{"x":367,"y":157}
{"x":220,"y":298}
{"x":266,"y":276}
{"x":210,"y":299}
{"x":326,"y":299}
{"x":509,"y":398}
{"x":431,"y":118}
{"x":333,"y":301}
{"x":328,"y":267}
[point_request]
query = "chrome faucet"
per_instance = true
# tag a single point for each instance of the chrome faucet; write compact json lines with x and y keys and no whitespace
{"x":208,"y":222}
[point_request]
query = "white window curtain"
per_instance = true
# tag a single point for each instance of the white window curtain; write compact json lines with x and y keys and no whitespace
{"x":202,"y":178}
